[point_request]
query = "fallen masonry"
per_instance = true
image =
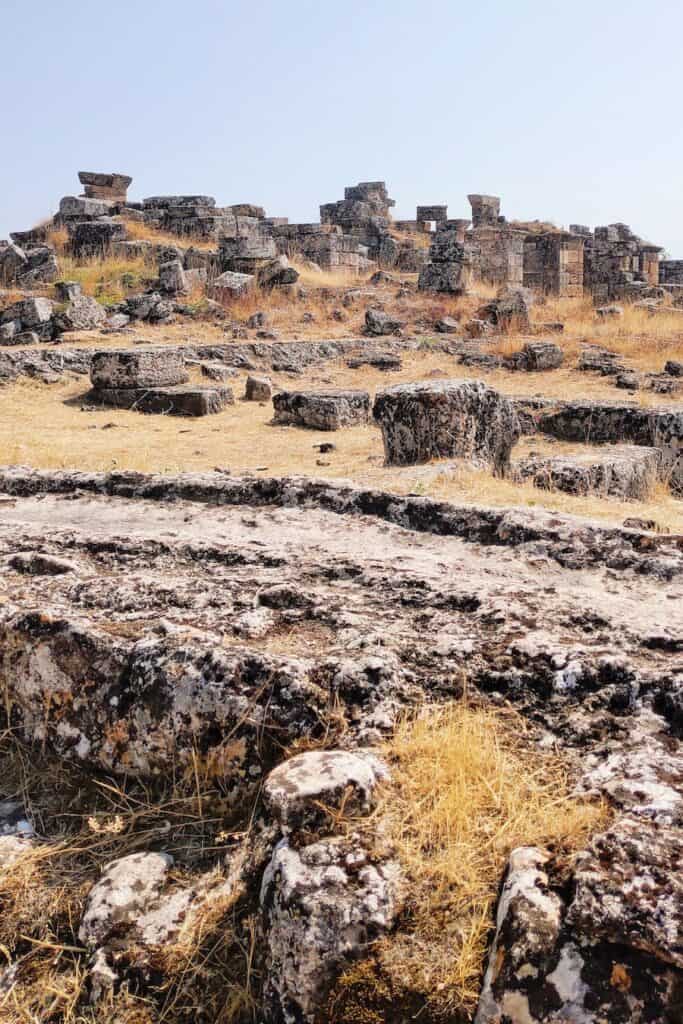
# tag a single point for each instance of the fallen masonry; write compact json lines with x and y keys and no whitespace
{"x":152,"y":380}
{"x":321,"y":410}
{"x":445,"y":419}
{"x":179,"y":400}
{"x":162,"y":636}
{"x":600,"y":422}
{"x":623,"y":471}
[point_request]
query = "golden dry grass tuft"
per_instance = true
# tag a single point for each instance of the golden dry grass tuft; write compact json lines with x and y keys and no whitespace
{"x":644,"y":339}
{"x":89,"y":820}
{"x":469,"y":786}
{"x":108,"y":280}
{"x":139,"y":231}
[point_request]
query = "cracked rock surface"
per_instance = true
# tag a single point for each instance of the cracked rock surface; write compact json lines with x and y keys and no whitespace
{"x":145,"y":618}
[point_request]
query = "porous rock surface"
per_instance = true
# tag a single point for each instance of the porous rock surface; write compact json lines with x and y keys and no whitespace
{"x":165,"y":639}
{"x":137,"y":368}
{"x":624,"y":471}
{"x":321,"y":410}
{"x":446,"y":419}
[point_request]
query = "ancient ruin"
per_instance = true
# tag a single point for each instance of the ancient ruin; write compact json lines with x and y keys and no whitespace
{"x":341,"y":616}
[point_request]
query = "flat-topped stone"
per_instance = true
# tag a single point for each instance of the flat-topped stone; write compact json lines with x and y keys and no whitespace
{"x":624,"y":471}
{"x":105,"y":186}
{"x":183,"y":400}
{"x":321,"y":410}
{"x":160,"y":202}
{"x":83,"y":207}
{"x":230,"y":286}
{"x":446,"y":419}
{"x":137,"y":368}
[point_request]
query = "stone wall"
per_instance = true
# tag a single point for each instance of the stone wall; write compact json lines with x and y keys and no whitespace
{"x":553,"y":264}
{"x":618,"y":264}
{"x":500,"y":256}
{"x":435,"y":213}
{"x":670,"y":272}
{"x":485,"y":210}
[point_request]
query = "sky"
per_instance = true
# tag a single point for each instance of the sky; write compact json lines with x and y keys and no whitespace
{"x":568,"y":111}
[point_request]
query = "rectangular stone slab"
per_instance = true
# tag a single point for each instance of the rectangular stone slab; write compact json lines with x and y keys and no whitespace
{"x":624,"y":471}
{"x":137,"y":368}
{"x":321,"y":410}
{"x":188,"y":400}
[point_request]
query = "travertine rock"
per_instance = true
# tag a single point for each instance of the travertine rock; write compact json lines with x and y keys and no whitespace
{"x":172,"y":277}
{"x":304,"y":791}
{"x":623,"y":471}
{"x":277,"y":272}
{"x":83,"y":313}
{"x":377,"y":323}
{"x":123,"y":893}
{"x":321,"y":410}
{"x":535,"y":356}
{"x":230,"y":286}
{"x":180,"y":400}
{"x":94,"y":238}
{"x":446,"y":419}
{"x":137,"y":368}
{"x":322,"y":905}
{"x":628,"y":889}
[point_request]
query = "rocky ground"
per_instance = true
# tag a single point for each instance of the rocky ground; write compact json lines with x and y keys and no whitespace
{"x":156,"y":628}
{"x":345,"y":685}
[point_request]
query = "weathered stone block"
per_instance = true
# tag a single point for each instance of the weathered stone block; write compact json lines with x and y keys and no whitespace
{"x":377,"y":323}
{"x":277,"y":272}
{"x":105,"y":186}
{"x":83,"y":208}
{"x":535,"y":356}
{"x":230,"y":286}
{"x":258,"y":389}
{"x":183,"y":400}
{"x":172,"y":279}
{"x":95,"y":237}
{"x":137,"y":368}
{"x":446,"y":419}
{"x":83,"y":313}
{"x":322,"y":410}
{"x":385,"y":361}
{"x":623,"y":471}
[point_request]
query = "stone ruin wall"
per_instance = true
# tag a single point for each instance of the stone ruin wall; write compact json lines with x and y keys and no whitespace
{"x":355,"y":233}
{"x":553,"y":264}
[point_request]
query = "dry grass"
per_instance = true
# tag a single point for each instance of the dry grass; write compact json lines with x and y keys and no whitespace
{"x":644,"y":340}
{"x":43,"y":426}
{"x":139,"y":231}
{"x":91,"y":820}
{"x":109,"y":280}
{"x":469,"y":786}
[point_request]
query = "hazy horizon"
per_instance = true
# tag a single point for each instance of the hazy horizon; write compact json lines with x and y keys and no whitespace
{"x":563,"y":113}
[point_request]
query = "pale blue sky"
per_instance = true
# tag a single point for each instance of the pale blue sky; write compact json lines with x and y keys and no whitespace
{"x":568,"y":110}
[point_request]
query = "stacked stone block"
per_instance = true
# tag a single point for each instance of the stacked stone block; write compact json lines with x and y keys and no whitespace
{"x":438,"y":214}
{"x":364,"y":213}
{"x":553,"y":264}
{"x":152,"y":380}
{"x":111,"y":187}
{"x":618,"y":264}
{"x":450,"y":264}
